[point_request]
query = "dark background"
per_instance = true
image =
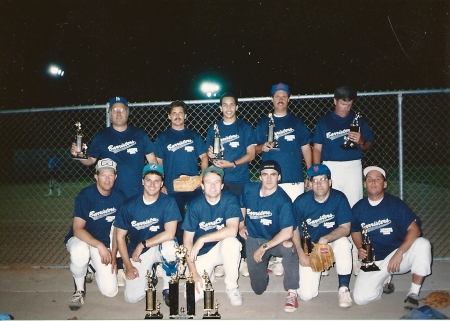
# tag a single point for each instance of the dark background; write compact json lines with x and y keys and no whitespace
{"x":163,"y":50}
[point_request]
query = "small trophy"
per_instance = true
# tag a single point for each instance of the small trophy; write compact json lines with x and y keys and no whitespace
{"x":152,"y":306}
{"x":218,"y":147}
{"x":180,"y":253}
{"x":272,"y":137}
{"x":81,"y":148}
{"x":208,"y":300}
{"x":354,"y":127}
{"x":369,"y":262}
{"x":305,"y":240}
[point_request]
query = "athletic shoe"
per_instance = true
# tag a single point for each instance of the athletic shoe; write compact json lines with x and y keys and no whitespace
{"x":345,"y":301}
{"x":219,"y":271}
{"x":388,"y":286}
{"x":77,"y":300}
{"x":120,"y":277}
{"x":291,"y":301}
{"x":166,"y":297}
{"x":277,"y":268}
{"x":90,"y":274}
{"x":326,"y":272}
{"x":244,"y":268}
{"x":235,"y":297}
{"x":159,"y":271}
{"x":412,"y":300}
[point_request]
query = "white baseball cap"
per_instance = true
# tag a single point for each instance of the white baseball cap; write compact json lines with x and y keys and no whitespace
{"x":106,"y":163}
{"x":374,"y":168}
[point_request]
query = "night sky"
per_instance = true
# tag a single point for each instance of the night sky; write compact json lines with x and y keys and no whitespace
{"x":158,"y":50}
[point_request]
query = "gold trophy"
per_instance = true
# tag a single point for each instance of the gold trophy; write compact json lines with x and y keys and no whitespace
{"x":272,"y":137}
{"x":305,"y":240}
{"x":81,"y":148}
{"x":369,"y":262}
{"x":354,"y":127}
{"x":152,"y":306}
{"x":208,"y":300}
{"x":218,"y":147}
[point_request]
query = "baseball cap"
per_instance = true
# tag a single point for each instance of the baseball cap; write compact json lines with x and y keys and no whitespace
{"x":118,"y":99}
{"x":213,"y":169}
{"x":270,"y":164}
{"x":106,"y":163}
{"x":374,"y":168}
{"x":280,"y":86}
{"x":318,"y":169}
{"x":153,"y":168}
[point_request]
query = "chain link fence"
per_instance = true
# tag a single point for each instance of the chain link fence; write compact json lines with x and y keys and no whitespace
{"x":412,"y":144}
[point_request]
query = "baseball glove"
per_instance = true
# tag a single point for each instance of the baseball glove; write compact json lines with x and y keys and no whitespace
{"x":186,"y":183}
{"x":321,"y":257}
{"x":437,"y":299}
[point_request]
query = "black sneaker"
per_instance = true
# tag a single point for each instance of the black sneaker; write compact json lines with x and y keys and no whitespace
{"x":77,"y":300}
{"x":388,"y":288}
{"x":166,"y":297}
{"x":412,"y":300}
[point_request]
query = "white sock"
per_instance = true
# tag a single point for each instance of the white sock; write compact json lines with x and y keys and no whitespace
{"x":415,"y":288}
{"x":79,"y":283}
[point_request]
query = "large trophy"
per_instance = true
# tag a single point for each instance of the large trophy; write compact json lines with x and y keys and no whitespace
{"x":305,"y":240}
{"x":174,"y":289}
{"x":354,"y":127}
{"x":152,"y":306}
{"x":272,"y":137}
{"x":81,"y":148}
{"x":218,"y":147}
{"x":208,"y":300}
{"x":369,"y":262}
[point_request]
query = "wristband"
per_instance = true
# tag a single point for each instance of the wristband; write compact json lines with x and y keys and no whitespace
{"x":144,"y":243}
{"x":234,"y":162}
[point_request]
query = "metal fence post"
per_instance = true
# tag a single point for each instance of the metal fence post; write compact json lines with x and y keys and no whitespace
{"x":400,"y":146}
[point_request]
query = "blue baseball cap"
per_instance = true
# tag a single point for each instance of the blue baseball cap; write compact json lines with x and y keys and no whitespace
{"x":213,"y":169}
{"x":153,"y":168}
{"x":118,"y":99}
{"x":270,"y":164}
{"x":280,"y":86}
{"x":318,"y":169}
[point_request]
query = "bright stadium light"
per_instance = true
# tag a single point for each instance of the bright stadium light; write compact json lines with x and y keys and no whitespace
{"x":55,"y":71}
{"x":210,"y":89}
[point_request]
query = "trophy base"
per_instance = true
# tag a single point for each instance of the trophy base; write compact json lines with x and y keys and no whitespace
{"x":153,"y":316}
{"x":212,"y":316}
{"x":370,"y":268}
{"x":181,"y":316}
{"x":80,"y":157}
{"x":349,"y":147}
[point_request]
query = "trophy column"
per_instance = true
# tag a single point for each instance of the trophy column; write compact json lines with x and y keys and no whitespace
{"x":81,"y":148}
{"x":208,"y":300}
{"x":369,"y":261}
{"x":217,"y":148}
{"x":152,"y":306}
{"x":272,"y":138}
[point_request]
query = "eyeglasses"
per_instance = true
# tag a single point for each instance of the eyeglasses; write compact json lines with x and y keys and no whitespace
{"x":118,"y":110}
{"x":321,"y":179}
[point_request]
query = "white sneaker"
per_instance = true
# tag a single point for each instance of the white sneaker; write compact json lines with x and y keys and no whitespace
{"x":77,"y":300}
{"x":277,"y":268}
{"x":235,"y":297}
{"x":219,"y":271}
{"x":159,"y":271}
{"x":326,"y":272}
{"x":244,"y":268}
{"x":345,"y":301}
{"x":120,"y":277}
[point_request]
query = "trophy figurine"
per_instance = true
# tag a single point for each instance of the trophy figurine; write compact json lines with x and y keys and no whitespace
{"x":208,"y":300}
{"x":369,"y":262}
{"x":218,"y":147}
{"x":180,"y":253}
{"x":81,"y":148}
{"x":354,"y":127}
{"x":152,"y":306}
{"x":272,"y":138}
{"x":305,"y":240}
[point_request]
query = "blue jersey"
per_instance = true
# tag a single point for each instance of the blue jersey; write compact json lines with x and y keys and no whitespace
{"x":322,"y":218}
{"x":266,"y":216}
{"x":292,"y":135}
{"x":203,"y":218}
{"x":387,"y":223}
{"x":144,"y":221}
{"x":330,"y":132}
{"x":235,"y":138}
{"x":179,"y":150}
{"x":98,"y":211}
{"x":53,"y":165}
{"x":128,"y":149}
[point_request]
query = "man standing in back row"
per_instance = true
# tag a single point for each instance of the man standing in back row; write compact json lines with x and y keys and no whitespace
{"x":294,"y":146}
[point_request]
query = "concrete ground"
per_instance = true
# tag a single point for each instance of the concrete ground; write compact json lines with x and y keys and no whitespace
{"x":43,"y":294}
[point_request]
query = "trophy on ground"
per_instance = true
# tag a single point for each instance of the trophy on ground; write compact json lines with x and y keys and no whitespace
{"x":354,"y":127}
{"x":218,"y":147}
{"x":305,"y":240}
{"x":174,"y":289}
{"x":152,"y":306}
{"x":81,"y":148}
{"x":272,"y":138}
{"x":208,"y":300}
{"x":369,"y":262}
